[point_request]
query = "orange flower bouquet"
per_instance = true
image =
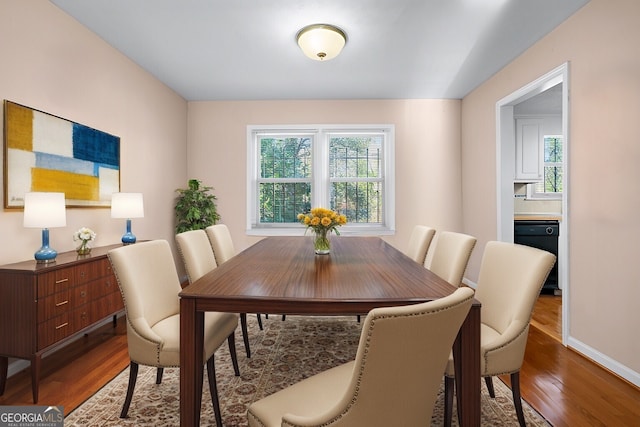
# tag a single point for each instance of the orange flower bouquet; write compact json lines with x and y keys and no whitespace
{"x":322,"y":222}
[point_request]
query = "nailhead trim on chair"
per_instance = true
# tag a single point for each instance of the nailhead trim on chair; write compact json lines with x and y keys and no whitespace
{"x":124,"y":300}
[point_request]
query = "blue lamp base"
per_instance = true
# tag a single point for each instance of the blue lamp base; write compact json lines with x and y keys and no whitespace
{"x":45,"y":255}
{"x":128,"y":238}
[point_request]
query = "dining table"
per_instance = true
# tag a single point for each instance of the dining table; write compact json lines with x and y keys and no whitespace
{"x":284,"y":276}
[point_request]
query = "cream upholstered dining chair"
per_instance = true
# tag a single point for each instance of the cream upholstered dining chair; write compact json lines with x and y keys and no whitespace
{"x":419,"y":242}
{"x":149,"y":284}
{"x":198,"y":258}
{"x":221,"y":242}
{"x":509,"y":283}
{"x":393,"y":381}
{"x":223,"y":249}
{"x":450,"y":256}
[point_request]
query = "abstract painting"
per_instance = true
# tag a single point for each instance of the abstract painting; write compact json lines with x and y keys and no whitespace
{"x":47,"y":153}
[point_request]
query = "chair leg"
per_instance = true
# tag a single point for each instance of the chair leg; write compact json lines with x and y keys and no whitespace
{"x":159,"y":373}
{"x":231,"y":339}
{"x":133,"y":376}
{"x":449,"y":385}
{"x":284,"y":317}
{"x":489,"y":382}
{"x":517,"y":401}
{"x":245,"y":333}
{"x":213,"y":389}
{"x":259,"y":321}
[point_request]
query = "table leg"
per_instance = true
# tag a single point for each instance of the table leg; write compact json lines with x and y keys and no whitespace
{"x":4,"y":366}
{"x":466,"y":353}
{"x":191,"y":362}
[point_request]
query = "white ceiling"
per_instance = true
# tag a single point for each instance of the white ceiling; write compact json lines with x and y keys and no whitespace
{"x":246,"y":49}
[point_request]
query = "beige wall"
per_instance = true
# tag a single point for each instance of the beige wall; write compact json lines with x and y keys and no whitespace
{"x":52,"y":63}
{"x":427,"y":153}
{"x":601,"y":44}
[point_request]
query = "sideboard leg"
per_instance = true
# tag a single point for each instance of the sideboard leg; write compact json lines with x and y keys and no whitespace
{"x":35,"y":375}
{"x":4,"y":366}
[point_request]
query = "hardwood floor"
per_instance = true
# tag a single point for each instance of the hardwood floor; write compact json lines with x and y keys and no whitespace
{"x":547,"y":315}
{"x":566,"y":388}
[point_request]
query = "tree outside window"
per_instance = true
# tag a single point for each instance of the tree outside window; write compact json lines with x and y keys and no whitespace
{"x":551,"y":185}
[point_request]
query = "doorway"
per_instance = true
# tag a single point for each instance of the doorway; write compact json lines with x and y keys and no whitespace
{"x":506,"y":166}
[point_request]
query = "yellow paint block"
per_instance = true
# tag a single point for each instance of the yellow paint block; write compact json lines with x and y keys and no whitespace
{"x":74,"y":186}
{"x":20,"y":133}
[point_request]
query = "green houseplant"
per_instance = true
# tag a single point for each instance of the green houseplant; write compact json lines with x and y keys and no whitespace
{"x":195,"y":207}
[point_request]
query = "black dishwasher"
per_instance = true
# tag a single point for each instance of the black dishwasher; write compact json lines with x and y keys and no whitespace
{"x":541,"y":234}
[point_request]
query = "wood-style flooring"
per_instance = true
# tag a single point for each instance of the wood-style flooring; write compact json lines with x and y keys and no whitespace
{"x":566,"y":388}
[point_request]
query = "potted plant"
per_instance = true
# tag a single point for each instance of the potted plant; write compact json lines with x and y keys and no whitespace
{"x":195,"y":207}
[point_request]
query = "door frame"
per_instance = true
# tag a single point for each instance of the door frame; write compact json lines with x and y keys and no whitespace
{"x":505,"y":173}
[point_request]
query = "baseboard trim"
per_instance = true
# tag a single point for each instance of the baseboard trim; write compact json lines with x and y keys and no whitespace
{"x":617,"y":368}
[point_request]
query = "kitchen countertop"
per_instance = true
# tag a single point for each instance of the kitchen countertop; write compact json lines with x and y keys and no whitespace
{"x":537,"y":217}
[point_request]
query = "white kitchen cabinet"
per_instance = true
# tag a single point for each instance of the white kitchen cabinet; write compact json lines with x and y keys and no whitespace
{"x":529,"y":150}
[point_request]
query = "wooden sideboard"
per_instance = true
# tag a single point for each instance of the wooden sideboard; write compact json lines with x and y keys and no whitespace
{"x":44,"y":306}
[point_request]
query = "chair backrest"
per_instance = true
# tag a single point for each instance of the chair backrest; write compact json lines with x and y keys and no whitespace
{"x":399,"y":364}
{"x":149,"y":284}
{"x":510,"y":279}
{"x":221,"y":242}
{"x":196,"y":253}
{"x":419,"y":242}
{"x":451,"y":255}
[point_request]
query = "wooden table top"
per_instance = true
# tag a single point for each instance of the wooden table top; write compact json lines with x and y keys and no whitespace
{"x":284,"y":274}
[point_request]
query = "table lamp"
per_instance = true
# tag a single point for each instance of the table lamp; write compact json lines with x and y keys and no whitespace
{"x":127,"y":205}
{"x":44,"y":210}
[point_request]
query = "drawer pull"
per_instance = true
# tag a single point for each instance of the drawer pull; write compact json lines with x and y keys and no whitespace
{"x":62,"y":280}
{"x":83,"y":294}
{"x":62,"y":303}
{"x":62,"y":326}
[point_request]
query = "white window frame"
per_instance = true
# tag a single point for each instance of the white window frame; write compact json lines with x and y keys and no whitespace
{"x":320,"y":176}
{"x":532,"y":194}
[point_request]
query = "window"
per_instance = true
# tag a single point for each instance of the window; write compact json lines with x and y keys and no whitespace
{"x":346,"y":168}
{"x":551,"y":185}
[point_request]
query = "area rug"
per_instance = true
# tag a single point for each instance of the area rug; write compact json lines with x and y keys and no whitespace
{"x":284,"y":353}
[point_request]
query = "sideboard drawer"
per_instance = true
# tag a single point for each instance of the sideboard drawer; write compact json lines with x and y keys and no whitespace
{"x":56,"y":281}
{"x":53,"y":306}
{"x":80,"y":295}
{"x":81,"y":317}
{"x":54,"y":330}
{"x":102,"y":307}
{"x":103,"y":287}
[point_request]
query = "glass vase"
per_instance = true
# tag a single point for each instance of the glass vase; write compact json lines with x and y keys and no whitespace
{"x":321,"y":242}
{"x":84,"y":248}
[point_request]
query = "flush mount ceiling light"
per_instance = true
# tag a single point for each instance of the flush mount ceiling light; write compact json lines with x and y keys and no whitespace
{"x":321,"y":42}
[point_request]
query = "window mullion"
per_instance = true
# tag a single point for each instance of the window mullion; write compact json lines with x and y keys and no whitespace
{"x":320,"y":173}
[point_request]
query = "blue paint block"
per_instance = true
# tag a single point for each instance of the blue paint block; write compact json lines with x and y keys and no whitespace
{"x":95,"y":146}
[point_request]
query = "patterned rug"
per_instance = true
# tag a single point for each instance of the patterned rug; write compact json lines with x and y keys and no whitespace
{"x":284,"y":353}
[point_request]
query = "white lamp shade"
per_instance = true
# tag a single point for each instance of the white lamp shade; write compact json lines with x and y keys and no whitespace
{"x":127,"y":205}
{"x":321,"y":41}
{"x":44,"y":210}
